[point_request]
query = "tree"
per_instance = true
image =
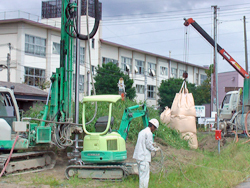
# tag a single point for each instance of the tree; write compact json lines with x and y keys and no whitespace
{"x":169,"y":88}
{"x":209,"y":72}
{"x":107,"y":78}
{"x":203,"y":92}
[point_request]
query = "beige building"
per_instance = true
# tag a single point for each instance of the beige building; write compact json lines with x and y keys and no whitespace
{"x":148,"y":69}
{"x":35,"y":49}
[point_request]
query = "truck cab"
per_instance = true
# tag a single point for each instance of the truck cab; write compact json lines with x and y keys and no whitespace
{"x":9,"y":112}
{"x":230,"y":104}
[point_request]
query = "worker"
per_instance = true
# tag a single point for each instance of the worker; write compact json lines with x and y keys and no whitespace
{"x":143,"y":149}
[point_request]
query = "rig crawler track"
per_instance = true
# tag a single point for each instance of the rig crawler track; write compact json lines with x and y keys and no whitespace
{"x":101,"y":172}
{"x":21,"y":163}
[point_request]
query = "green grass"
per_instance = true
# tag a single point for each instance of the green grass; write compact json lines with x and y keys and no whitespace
{"x":200,"y":168}
{"x":38,"y":180}
{"x":171,"y":137}
{"x":226,"y":169}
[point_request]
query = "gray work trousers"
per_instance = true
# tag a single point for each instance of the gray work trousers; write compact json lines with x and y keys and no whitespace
{"x":144,"y":170}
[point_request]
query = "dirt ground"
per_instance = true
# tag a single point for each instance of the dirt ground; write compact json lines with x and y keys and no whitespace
{"x":26,"y":180}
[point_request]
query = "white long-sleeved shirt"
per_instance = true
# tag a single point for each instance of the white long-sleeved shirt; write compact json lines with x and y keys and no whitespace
{"x":144,"y":145}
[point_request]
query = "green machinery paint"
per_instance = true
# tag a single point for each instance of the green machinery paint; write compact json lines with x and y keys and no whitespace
{"x":109,"y":147}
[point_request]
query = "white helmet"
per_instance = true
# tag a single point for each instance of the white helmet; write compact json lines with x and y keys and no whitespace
{"x":155,"y":122}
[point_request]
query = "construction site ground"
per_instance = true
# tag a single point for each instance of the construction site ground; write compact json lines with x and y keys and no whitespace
{"x":34,"y":180}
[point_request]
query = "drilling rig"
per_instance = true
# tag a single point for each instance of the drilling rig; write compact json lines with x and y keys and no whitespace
{"x":56,"y":125}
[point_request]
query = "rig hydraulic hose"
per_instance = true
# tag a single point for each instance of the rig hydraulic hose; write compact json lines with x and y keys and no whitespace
{"x":246,"y":124}
{"x":6,"y":164}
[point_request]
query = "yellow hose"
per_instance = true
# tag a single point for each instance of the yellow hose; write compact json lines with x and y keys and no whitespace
{"x":246,"y":123}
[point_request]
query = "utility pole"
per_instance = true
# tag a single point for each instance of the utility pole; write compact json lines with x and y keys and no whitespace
{"x":8,"y":67}
{"x":169,"y":71}
{"x":245,"y":41}
{"x":145,"y":86}
{"x":216,"y":69}
{"x":213,"y":88}
{"x":88,"y":73}
{"x":8,"y":63}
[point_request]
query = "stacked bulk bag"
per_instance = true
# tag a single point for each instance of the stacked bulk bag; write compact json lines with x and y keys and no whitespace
{"x":165,"y":116}
{"x":183,"y":116}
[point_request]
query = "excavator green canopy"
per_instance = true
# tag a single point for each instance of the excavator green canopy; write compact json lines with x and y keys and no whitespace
{"x":102,"y":98}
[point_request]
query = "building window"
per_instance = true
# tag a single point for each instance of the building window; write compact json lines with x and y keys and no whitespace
{"x":151,"y":68}
{"x":93,"y":43}
{"x":203,"y":78}
{"x":181,"y":73}
{"x":81,"y":83}
{"x":197,"y":79}
{"x":140,"y":66}
{"x":82,"y":52}
{"x":151,"y":92}
{"x":164,"y":71}
{"x":126,"y":62}
{"x":106,"y":60}
{"x":34,"y":76}
{"x":140,"y":89}
{"x":35,"y":45}
{"x":56,"y":48}
{"x":93,"y":69}
{"x":174,"y":72}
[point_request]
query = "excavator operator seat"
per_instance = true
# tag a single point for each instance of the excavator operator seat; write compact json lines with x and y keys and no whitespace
{"x":102,"y":122}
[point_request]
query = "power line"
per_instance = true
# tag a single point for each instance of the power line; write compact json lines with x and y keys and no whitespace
{"x":178,"y":11}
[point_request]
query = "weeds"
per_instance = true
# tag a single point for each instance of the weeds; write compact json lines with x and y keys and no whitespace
{"x":200,"y":169}
{"x":38,"y":180}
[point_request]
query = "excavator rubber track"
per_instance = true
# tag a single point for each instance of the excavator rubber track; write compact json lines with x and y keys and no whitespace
{"x":100,"y":172}
{"x":28,"y":162}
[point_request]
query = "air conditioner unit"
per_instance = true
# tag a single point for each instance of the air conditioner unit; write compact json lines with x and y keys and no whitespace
{"x":127,"y":68}
{"x":136,"y":70}
{"x":152,"y":72}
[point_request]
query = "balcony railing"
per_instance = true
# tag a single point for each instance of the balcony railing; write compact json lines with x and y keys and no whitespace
{"x":19,"y":14}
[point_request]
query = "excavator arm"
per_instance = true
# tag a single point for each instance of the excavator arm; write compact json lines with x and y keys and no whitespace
{"x":129,"y":114}
{"x":221,"y":51}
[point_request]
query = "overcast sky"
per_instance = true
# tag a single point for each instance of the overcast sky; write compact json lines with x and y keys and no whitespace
{"x":157,"y":26}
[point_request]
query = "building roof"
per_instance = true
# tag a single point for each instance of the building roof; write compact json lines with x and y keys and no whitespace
{"x":26,"y":92}
{"x":149,"y":53}
{"x":38,"y":24}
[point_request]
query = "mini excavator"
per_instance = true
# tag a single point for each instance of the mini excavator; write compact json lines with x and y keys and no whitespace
{"x":104,"y":151}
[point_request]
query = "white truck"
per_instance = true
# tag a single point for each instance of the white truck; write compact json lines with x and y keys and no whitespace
{"x":9,"y":112}
{"x":233,"y":113}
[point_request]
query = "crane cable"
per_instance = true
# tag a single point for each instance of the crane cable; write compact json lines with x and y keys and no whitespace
{"x":186,"y":44}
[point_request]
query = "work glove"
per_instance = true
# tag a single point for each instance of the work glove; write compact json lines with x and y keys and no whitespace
{"x":157,"y":148}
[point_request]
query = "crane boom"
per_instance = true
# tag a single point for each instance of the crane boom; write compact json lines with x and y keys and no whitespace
{"x":221,"y":51}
